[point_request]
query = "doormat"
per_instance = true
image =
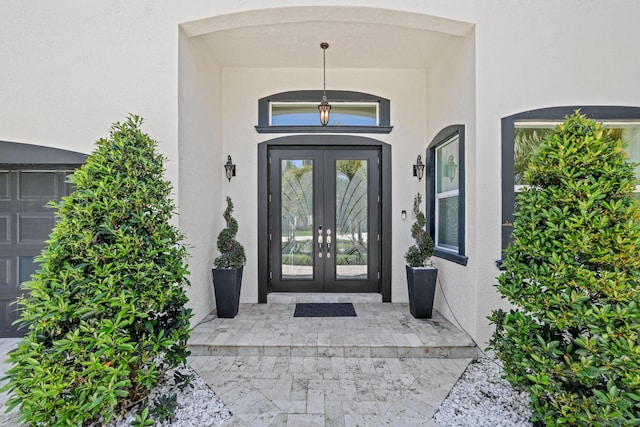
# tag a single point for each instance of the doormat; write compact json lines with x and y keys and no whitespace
{"x":316,"y":309}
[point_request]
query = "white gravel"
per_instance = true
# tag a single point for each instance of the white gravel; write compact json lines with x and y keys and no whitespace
{"x":198,"y":405}
{"x":482,"y":398}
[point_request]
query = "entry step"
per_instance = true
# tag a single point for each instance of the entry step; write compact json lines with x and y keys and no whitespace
{"x":296,"y":297}
{"x":379,"y":330}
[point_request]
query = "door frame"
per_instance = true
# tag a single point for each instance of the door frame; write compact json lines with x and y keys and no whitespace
{"x":309,"y":141}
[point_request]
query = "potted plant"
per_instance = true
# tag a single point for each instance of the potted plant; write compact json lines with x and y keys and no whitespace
{"x":227,"y":268}
{"x":421,"y":275}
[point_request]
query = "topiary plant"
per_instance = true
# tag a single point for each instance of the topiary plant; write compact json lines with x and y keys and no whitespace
{"x":573,"y":276}
{"x":232,"y":253}
{"x":418,"y":254}
{"x":106,"y":312}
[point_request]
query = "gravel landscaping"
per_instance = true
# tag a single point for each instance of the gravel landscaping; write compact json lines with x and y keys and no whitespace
{"x":482,"y":398}
{"x":479,"y":398}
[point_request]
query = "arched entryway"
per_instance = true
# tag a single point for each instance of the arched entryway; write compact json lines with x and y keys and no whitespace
{"x":324,"y":206}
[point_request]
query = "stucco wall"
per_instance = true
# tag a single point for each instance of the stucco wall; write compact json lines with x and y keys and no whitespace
{"x":451,"y":101}
{"x":70,"y":69}
{"x":200,"y":177}
{"x":533,"y":55}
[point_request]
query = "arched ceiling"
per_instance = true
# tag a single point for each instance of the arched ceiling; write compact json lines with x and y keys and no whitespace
{"x":358,"y":38}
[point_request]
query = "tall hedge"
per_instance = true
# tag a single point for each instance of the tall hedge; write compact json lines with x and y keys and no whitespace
{"x":573,"y":276}
{"x":105,"y":312}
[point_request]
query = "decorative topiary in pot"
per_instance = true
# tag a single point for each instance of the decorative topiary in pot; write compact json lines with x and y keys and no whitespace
{"x":232,"y":253}
{"x":105,"y":312}
{"x":572,"y":274}
{"x":418,"y":254}
{"x":421,"y":277}
{"x":227,"y":271}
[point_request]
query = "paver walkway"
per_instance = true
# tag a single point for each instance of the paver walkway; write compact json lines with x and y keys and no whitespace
{"x":381,"y":368}
{"x":330,"y":391}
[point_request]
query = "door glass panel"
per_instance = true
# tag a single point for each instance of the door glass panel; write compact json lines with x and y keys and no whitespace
{"x":296,"y":195}
{"x":351,"y":234}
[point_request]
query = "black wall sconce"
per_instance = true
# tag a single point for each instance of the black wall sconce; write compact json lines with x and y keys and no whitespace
{"x":229,"y":168}
{"x":418,"y":168}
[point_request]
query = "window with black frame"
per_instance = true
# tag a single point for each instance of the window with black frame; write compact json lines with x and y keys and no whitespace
{"x":297,"y":111}
{"x":446,"y":194}
{"x":523,"y":132}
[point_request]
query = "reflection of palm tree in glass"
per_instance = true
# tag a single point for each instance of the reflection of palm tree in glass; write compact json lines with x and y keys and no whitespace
{"x":351,"y":208}
{"x":296,"y":193}
{"x":526,"y":141}
{"x":297,"y":214}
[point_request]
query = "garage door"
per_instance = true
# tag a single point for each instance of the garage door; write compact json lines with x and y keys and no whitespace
{"x":25,"y":224}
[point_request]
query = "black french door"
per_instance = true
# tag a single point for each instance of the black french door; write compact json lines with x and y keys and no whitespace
{"x":324,"y":219}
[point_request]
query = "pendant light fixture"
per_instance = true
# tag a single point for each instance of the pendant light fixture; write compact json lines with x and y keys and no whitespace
{"x":324,"y":106}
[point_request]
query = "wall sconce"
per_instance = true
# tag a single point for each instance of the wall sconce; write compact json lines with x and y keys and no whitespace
{"x":418,"y":168}
{"x":229,"y":168}
{"x":324,"y":106}
{"x":449,"y":170}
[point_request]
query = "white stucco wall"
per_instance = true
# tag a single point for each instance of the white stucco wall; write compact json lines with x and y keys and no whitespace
{"x":533,"y":55}
{"x":451,"y":101}
{"x":200,"y":175}
{"x":70,"y":69}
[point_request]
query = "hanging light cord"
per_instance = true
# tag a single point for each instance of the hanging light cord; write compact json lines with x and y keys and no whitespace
{"x":324,"y":73}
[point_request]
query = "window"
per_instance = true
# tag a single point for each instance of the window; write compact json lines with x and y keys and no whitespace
{"x":297,"y":111}
{"x":306,"y":114}
{"x":445,"y":193}
{"x":521,"y":133}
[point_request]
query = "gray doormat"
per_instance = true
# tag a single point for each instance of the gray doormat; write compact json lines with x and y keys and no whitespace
{"x":316,"y":309}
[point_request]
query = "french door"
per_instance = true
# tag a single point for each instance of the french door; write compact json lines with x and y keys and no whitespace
{"x":324,"y":219}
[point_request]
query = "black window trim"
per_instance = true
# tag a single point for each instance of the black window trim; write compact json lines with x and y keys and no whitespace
{"x":442,"y":137}
{"x":384,"y":111}
{"x":597,"y":112}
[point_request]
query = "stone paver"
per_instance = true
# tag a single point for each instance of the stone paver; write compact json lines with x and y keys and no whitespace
{"x":381,"y":368}
{"x":380,"y":330}
{"x":331,"y":391}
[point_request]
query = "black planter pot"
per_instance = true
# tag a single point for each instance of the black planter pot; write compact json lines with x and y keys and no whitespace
{"x":226,"y":284}
{"x":422,"y":288}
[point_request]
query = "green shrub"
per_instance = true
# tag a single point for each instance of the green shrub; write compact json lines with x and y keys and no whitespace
{"x":106,"y":312}
{"x":231,"y":251}
{"x":418,"y":254}
{"x":573,"y":275}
